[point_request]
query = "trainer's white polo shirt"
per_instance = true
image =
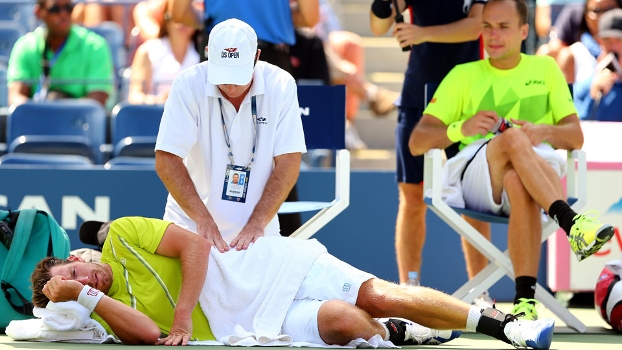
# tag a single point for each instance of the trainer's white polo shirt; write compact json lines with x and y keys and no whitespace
{"x":191,"y":128}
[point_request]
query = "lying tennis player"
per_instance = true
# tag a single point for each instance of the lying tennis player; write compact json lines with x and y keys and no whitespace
{"x":153,"y":286}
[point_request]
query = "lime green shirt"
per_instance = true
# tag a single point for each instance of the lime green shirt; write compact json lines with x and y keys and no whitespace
{"x":85,"y":56}
{"x":146,"y":281}
{"x":535,"y":90}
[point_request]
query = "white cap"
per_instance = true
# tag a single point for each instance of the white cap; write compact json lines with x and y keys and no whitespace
{"x":232,"y":47}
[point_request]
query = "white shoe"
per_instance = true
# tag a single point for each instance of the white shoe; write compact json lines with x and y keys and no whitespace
{"x":416,"y":334}
{"x":484,"y":301}
{"x":530,"y":334}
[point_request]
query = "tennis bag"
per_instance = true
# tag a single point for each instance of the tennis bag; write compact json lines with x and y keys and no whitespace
{"x":26,"y":237}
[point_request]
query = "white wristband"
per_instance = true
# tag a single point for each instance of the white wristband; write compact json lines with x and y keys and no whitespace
{"x":89,"y":297}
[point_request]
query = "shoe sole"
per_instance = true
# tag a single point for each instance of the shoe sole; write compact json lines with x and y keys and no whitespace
{"x":603,"y":236}
{"x":544,"y":339}
{"x":439,"y":340}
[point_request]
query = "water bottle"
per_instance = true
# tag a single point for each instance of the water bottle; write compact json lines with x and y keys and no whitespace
{"x":413,"y":278}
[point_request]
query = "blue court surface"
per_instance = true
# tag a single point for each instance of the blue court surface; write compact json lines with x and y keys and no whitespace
{"x":598,"y":337}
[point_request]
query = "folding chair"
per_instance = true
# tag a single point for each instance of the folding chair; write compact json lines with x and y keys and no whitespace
{"x":324,"y":123}
{"x":576,"y":190}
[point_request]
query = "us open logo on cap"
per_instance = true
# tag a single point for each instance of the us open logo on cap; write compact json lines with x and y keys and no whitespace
{"x":231,"y":52}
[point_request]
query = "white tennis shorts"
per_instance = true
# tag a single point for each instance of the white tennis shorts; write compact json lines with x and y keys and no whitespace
{"x":477,"y":188}
{"x":328,"y":279}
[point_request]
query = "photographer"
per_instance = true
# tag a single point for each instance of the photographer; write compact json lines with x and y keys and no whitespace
{"x":600,"y":97}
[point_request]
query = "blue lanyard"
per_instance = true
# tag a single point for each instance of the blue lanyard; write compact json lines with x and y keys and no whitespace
{"x":224,"y":127}
{"x":48,"y":64}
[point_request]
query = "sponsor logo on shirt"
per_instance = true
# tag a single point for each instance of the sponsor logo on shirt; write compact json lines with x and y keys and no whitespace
{"x":535,"y":82}
{"x":262,"y":120}
{"x":346,"y":287}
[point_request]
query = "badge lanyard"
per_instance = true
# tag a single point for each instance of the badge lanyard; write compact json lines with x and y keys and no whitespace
{"x":46,"y":65}
{"x":224,"y":127}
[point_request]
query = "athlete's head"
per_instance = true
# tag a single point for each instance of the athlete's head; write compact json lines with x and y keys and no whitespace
{"x":503,"y":31}
{"x":87,"y":273}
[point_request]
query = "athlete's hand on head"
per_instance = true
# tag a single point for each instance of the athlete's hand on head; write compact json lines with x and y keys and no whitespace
{"x":536,"y":133}
{"x":180,"y":333}
{"x":209,"y":231}
{"x":408,"y":34}
{"x":248,"y":235}
{"x":59,"y":289}
{"x":481,"y":123}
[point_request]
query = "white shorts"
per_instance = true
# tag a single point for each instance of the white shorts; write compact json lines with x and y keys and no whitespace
{"x":477,"y":188}
{"x":328,"y":279}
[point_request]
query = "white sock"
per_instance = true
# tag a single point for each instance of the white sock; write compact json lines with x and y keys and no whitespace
{"x":473,"y":319}
{"x":386,"y":329}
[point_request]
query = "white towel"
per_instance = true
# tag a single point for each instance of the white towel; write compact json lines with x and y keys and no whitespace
{"x":64,"y":316}
{"x":35,"y":330}
{"x":374,"y":342}
{"x":66,"y":321}
{"x":254,"y":288}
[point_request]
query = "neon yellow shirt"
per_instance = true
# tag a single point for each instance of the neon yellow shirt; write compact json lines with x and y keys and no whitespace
{"x":146,"y":281}
{"x":535,"y":91}
{"x":85,"y":56}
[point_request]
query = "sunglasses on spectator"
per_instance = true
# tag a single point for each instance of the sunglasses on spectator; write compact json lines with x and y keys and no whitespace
{"x":59,"y":8}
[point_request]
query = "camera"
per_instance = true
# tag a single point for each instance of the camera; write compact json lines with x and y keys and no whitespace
{"x":6,"y":234}
{"x":611,"y":62}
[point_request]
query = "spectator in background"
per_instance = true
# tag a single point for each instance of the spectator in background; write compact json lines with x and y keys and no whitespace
{"x":600,"y":97}
{"x":442,"y":34}
{"x":77,"y":62}
{"x":94,"y":14}
{"x":578,"y":60}
{"x":274,"y":24}
{"x":567,"y":28}
{"x":547,"y":12}
{"x":346,"y":61}
{"x":158,"y":61}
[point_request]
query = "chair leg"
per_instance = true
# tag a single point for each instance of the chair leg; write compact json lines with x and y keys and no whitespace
{"x":559,"y":310}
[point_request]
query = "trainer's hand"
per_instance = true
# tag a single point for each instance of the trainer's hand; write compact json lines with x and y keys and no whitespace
{"x":480,"y":124}
{"x":209,"y":231}
{"x":248,"y":235}
{"x":59,"y":289}
{"x":180,"y":333}
{"x":536,"y":133}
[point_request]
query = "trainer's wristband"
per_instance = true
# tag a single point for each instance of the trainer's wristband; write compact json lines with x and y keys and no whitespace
{"x":381,"y":8}
{"x":89,"y":297}
{"x":454,"y":131}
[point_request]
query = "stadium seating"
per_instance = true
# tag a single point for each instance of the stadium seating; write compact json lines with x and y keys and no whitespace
{"x":10,"y":31}
{"x":134,"y":129}
{"x":113,"y":33}
{"x":130,"y":162}
{"x":72,"y":126}
{"x":324,"y":122}
{"x":20,"y":13}
{"x":58,"y":160}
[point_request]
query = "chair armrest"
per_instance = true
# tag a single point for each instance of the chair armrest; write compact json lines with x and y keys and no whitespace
{"x":576,"y":178}
{"x":432,"y":167}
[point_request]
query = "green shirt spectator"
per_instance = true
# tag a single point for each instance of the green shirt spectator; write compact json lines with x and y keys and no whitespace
{"x":80,"y":60}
